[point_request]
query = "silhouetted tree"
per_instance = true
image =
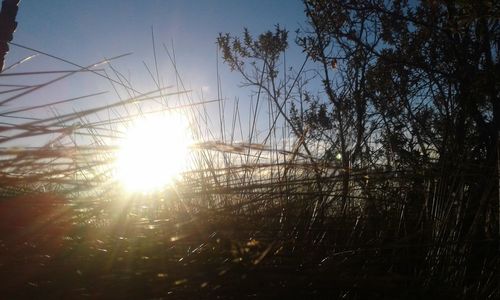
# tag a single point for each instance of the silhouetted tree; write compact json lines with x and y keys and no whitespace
{"x":410,"y":88}
{"x":7,"y":26}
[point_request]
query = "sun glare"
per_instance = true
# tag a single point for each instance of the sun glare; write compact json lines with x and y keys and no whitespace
{"x":155,"y":150}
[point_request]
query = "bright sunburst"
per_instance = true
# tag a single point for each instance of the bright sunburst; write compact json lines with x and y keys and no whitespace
{"x":153,"y":152}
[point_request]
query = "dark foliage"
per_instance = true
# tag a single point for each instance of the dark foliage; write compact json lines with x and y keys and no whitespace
{"x":410,"y":88}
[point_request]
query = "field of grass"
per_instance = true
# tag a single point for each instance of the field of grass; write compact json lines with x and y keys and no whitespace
{"x":247,"y":220}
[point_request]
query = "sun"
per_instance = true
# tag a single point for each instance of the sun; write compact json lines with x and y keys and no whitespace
{"x":154,"y":151}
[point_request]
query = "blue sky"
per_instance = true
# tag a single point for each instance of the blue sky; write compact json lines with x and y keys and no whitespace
{"x":87,"y":31}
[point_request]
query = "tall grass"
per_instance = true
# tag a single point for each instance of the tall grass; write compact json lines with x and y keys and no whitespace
{"x":255,"y":218}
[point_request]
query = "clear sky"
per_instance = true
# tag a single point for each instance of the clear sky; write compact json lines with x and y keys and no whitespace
{"x":88,"y":31}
